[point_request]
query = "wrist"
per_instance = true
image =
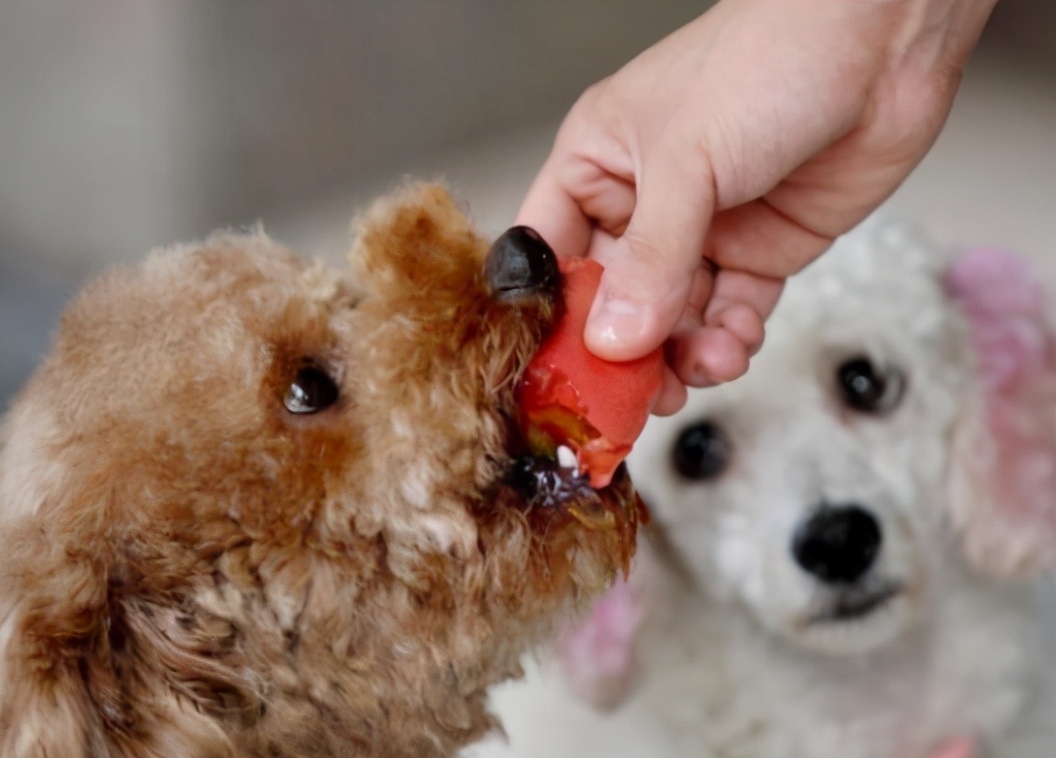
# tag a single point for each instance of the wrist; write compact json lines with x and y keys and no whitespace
{"x":938,"y":33}
{"x":950,"y":27}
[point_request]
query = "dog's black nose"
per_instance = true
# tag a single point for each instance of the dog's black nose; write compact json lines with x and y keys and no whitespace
{"x":838,"y":544}
{"x":520,"y":263}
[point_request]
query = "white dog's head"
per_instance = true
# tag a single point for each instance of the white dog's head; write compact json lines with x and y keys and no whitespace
{"x":818,"y":490}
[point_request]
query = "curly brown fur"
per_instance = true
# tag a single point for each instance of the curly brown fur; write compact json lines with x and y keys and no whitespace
{"x":187,"y":569}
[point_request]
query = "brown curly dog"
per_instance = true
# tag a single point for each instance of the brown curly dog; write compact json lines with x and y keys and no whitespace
{"x":254,"y":506}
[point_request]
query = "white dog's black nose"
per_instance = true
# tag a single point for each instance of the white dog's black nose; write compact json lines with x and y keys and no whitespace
{"x":838,"y":544}
{"x":520,"y":263}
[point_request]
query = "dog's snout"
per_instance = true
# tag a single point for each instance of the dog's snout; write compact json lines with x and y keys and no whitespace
{"x":520,"y":263}
{"x":838,"y":544}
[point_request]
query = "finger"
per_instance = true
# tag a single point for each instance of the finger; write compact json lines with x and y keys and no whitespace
{"x":733,"y":301}
{"x":707,"y":351}
{"x":556,"y":215}
{"x":759,"y":239}
{"x":700,"y":293}
{"x":672,"y":395}
{"x":761,"y":293}
{"x":741,"y":303}
{"x":565,"y":204}
{"x":743,"y":322}
{"x":650,"y":270}
{"x":709,"y":355}
{"x":606,"y":198}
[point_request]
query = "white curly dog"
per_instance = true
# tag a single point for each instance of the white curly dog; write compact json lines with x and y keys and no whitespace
{"x":840,"y":542}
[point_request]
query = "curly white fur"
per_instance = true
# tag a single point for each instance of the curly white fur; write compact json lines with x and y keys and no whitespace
{"x":739,"y":655}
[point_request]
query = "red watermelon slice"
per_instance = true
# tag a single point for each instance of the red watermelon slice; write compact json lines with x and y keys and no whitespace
{"x":571,"y":398}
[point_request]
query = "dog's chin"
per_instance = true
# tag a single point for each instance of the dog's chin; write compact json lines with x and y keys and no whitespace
{"x":853,"y":621}
{"x":581,"y":534}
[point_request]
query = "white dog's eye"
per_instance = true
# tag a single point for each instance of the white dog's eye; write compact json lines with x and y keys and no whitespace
{"x":868,"y":388}
{"x":702,"y":451}
{"x":312,"y":391}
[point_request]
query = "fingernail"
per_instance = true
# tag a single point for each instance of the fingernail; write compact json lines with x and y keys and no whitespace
{"x":617,"y":323}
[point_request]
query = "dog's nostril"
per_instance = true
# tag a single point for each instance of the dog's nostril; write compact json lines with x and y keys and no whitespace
{"x":838,"y":544}
{"x":520,"y":263}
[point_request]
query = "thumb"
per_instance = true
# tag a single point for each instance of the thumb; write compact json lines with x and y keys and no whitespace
{"x":649,"y":269}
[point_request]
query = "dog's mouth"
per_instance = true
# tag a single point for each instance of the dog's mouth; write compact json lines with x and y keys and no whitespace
{"x":565,"y":476}
{"x":855,"y":604}
{"x":556,"y":496}
{"x":555,"y":485}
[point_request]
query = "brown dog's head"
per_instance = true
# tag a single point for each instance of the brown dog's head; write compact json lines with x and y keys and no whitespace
{"x":255,"y":506}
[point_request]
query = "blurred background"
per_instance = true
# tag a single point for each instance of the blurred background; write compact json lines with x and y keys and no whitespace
{"x":125,"y":124}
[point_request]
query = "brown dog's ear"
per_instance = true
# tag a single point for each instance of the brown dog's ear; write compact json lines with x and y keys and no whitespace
{"x":45,"y":704}
{"x":1003,"y":474}
{"x":414,"y":246}
{"x":83,"y":675}
{"x":45,"y":708}
{"x":66,"y":635}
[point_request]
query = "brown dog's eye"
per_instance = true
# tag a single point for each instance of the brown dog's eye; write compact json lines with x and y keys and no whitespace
{"x":312,"y":391}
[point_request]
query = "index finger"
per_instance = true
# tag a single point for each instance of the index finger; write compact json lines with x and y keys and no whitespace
{"x":553,"y":212}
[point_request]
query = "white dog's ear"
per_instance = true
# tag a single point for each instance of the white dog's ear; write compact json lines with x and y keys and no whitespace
{"x":597,"y":655}
{"x":1003,"y":469}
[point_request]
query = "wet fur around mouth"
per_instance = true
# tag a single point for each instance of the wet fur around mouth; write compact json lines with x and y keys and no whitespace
{"x":187,"y":568}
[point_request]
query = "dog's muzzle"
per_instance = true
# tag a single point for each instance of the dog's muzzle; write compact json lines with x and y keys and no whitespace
{"x":839,"y":547}
{"x":551,"y":490}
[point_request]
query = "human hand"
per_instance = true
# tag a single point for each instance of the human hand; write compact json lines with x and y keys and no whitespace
{"x":729,"y":155}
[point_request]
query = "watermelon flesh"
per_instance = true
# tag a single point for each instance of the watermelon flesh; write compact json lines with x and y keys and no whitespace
{"x":571,"y":400}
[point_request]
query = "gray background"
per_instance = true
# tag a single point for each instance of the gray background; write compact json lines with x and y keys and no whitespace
{"x":130,"y":123}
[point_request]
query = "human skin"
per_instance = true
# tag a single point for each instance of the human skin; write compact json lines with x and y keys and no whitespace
{"x":730,"y":154}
